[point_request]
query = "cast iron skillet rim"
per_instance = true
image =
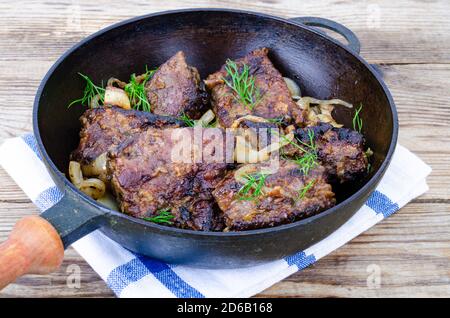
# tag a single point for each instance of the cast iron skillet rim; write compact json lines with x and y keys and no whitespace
{"x":70,"y":187}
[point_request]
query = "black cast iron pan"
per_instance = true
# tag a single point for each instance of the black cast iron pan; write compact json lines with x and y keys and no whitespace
{"x":323,"y":67}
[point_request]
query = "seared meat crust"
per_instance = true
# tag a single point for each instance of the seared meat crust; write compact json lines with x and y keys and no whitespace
{"x":275,"y":99}
{"x":339,"y":150}
{"x":146,"y":178}
{"x":105,"y":127}
{"x":175,"y":89}
{"x":280,"y":202}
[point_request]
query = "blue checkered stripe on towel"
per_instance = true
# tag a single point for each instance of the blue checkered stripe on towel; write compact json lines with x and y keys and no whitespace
{"x":140,"y":266}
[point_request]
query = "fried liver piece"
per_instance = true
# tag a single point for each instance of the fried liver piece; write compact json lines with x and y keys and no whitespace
{"x":339,"y":150}
{"x":105,"y":127}
{"x":274,"y":99}
{"x":281,"y":200}
{"x":175,"y":89}
{"x":146,"y":179}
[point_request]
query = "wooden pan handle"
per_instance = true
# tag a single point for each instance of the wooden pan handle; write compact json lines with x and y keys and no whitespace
{"x":33,"y":247}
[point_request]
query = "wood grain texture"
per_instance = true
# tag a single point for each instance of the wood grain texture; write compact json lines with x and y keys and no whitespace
{"x":411,"y":42}
{"x":33,"y":247}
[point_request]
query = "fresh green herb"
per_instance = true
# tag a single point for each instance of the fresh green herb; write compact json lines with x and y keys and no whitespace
{"x":304,"y":190}
{"x":253,"y":182}
{"x":242,"y":83}
{"x":369,"y":167}
{"x":277,"y":120}
{"x":311,"y":144}
{"x":163,"y":216}
{"x":188,"y":121}
{"x":135,"y":90}
{"x":90,"y":91}
{"x":306,"y":162}
{"x":308,"y":159}
{"x":357,"y":120}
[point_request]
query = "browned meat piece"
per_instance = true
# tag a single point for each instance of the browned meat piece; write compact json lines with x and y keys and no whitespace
{"x":339,"y":150}
{"x":105,"y":127}
{"x":287,"y":196}
{"x":254,"y":125}
{"x":146,"y":178}
{"x":174,"y":89}
{"x":274,"y":102}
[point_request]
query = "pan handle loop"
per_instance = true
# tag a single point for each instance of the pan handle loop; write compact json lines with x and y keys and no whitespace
{"x":353,"y":41}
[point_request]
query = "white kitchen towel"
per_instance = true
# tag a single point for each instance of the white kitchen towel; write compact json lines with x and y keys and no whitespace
{"x":132,"y":275}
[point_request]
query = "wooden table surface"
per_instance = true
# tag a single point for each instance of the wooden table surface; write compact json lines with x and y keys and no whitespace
{"x":409,"y":40}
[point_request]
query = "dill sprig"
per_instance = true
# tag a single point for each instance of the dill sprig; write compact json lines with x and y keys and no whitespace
{"x":308,"y":159}
{"x":302,"y":192}
{"x":135,"y":90}
{"x":306,"y":162}
{"x":357,"y":120}
{"x":253,"y":182}
{"x":276,"y":120}
{"x":163,"y":216}
{"x":188,"y":121}
{"x":90,"y":91}
{"x":242,"y":83}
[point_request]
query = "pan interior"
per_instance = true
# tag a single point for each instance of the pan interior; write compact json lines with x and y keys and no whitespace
{"x":323,"y":70}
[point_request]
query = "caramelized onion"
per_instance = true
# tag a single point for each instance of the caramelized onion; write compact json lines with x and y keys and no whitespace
{"x":205,"y":119}
{"x":95,"y":101}
{"x":95,"y":188}
{"x":75,"y":174}
{"x":109,"y":201}
{"x":118,"y":82}
{"x":293,"y":87}
{"x":97,"y":168}
{"x":322,"y":110}
{"x":117,"y":97}
{"x":252,"y":118}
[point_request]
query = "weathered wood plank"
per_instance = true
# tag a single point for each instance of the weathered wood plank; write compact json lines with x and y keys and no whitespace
{"x":411,"y":248}
{"x":390,"y":31}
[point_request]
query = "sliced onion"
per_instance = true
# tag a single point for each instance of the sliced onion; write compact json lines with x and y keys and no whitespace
{"x":95,"y":188}
{"x":95,"y":101}
{"x":321,"y":111}
{"x":335,"y":101}
{"x":96,"y":168}
{"x":246,"y":153}
{"x":116,"y":81}
{"x":117,"y":97}
{"x":109,"y":201}
{"x":252,"y":118}
{"x":141,"y":78}
{"x":324,"y":118}
{"x":75,"y":174}
{"x":205,"y":119}
{"x":294,"y":89}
